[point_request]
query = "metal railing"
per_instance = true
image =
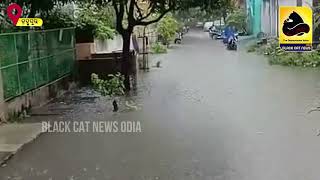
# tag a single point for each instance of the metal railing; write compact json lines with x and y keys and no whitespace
{"x":32,"y":59}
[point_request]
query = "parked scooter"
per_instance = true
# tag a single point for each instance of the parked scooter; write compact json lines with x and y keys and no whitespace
{"x":213,"y":33}
{"x":179,"y":37}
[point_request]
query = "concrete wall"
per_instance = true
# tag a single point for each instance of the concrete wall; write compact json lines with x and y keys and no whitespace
{"x":35,"y":98}
{"x":108,"y":45}
{"x":287,"y":2}
{"x":84,"y":50}
{"x":269,"y":17}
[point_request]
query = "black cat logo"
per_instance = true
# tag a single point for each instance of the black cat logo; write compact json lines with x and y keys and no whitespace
{"x":294,"y":25}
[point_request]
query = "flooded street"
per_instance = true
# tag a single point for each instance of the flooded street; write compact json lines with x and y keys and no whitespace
{"x":207,"y":114}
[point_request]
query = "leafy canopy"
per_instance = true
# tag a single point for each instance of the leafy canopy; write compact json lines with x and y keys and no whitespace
{"x":100,"y":19}
{"x":238,"y":19}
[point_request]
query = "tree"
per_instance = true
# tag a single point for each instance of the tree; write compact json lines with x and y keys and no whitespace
{"x":238,"y":19}
{"x":132,"y":13}
{"x":96,"y":20}
{"x":35,"y":6}
{"x":222,"y":7}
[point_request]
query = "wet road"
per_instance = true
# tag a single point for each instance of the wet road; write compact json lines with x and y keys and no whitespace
{"x":207,"y":114}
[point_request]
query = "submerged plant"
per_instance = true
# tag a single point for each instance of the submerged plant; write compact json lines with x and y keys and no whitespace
{"x":112,"y":87}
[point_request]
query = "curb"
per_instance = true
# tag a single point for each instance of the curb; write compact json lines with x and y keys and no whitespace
{"x":6,"y":159}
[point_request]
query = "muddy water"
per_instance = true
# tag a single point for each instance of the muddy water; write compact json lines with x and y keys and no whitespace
{"x":207,"y":114}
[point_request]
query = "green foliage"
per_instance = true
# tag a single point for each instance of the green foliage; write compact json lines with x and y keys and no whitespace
{"x":278,"y":56}
{"x":159,"y":48}
{"x":191,"y":16}
{"x":59,"y":17}
{"x":98,"y":20}
{"x":40,"y":5}
{"x":238,"y":19}
{"x":167,"y":29}
{"x":112,"y":87}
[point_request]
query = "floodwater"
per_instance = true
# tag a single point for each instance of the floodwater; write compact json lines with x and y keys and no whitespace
{"x":207,"y":114}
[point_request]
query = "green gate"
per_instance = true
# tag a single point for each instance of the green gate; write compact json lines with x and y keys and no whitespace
{"x":32,"y":59}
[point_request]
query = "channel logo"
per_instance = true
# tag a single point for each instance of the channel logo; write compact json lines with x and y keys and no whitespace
{"x":295,"y":28}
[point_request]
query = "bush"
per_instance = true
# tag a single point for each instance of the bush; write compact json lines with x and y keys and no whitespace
{"x":278,"y":56}
{"x":167,"y":29}
{"x":159,"y":48}
{"x":111,"y":87}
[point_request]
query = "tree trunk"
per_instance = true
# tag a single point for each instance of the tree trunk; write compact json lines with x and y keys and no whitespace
{"x":125,"y":65}
{"x":224,"y":16}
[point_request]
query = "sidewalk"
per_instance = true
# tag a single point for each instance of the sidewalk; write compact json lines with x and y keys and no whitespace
{"x":14,"y":136}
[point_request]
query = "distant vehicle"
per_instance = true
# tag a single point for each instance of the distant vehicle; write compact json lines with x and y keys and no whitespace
{"x":206,"y":26}
{"x":178,"y":38}
{"x":213,"y":32}
{"x":219,"y":24}
{"x":199,"y":24}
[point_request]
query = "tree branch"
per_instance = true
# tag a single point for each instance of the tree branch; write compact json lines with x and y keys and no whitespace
{"x":146,"y":23}
{"x":119,"y":13}
{"x":139,"y":10}
{"x":151,"y":10}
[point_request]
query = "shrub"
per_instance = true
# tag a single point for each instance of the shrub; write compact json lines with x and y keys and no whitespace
{"x":278,"y":56}
{"x":167,"y":29}
{"x":159,"y":48}
{"x":111,"y":87}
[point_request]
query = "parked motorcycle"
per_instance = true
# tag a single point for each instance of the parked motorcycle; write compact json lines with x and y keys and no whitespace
{"x":220,"y":35}
{"x":213,"y":33}
{"x":179,"y":37}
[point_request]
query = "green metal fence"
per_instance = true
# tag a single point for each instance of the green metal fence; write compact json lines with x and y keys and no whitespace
{"x":32,"y":59}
